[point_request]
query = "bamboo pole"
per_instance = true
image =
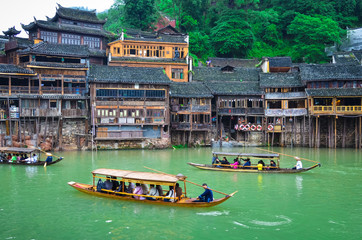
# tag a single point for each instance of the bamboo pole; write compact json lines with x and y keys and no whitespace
{"x":286,"y":155}
{"x":188,"y":181}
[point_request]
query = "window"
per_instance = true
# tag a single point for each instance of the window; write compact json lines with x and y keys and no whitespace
{"x":93,"y":42}
{"x":177,"y":73}
{"x":130,"y":93}
{"x":51,"y":37}
{"x":70,"y":39}
{"x":53,"y":103}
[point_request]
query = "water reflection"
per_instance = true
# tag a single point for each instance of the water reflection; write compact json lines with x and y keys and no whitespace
{"x":31,"y":171}
{"x":299,"y":184}
{"x":260,"y":181}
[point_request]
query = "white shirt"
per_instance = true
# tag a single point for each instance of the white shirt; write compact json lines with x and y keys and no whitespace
{"x":153,"y":192}
{"x":171,"y":194}
{"x":299,"y":165}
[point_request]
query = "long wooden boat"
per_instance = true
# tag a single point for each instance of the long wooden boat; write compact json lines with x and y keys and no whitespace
{"x":4,"y":151}
{"x":125,"y":176}
{"x":253,"y":168}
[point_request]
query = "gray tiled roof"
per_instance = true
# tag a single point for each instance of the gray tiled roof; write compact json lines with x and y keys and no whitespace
{"x":234,"y":88}
{"x":11,"y":68}
{"x":66,"y":28}
{"x":79,"y":15}
{"x":313,"y":72}
{"x":334,"y":92}
{"x":215,"y":74}
{"x":345,"y":58}
{"x":234,"y":62}
{"x":280,"y":62}
{"x":137,"y":35}
{"x":53,"y":49}
{"x":279,"y":80}
{"x":189,"y":89}
{"x":148,"y":59}
{"x":109,"y":74}
{"x":97,"y":53}
{"x":56,"y":65}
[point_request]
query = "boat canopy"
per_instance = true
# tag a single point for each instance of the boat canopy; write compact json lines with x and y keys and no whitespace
{"x":258,"y":155}
{"x":17,"y":150}
{"x":142,"y":176}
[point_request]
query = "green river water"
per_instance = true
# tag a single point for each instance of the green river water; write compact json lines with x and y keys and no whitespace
{"x":324,"y":203}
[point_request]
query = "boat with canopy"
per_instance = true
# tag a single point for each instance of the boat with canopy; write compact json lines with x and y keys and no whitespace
{"x":133,"y":177}
{"x":25,"y":156}
{"x":255,"y":165}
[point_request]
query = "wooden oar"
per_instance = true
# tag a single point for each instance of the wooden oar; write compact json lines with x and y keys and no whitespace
{"x":192,"y":182}
{"x":286,"y":155}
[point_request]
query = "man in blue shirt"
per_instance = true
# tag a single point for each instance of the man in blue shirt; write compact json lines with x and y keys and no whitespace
{"x":207,"y":196}
{"x":247,"y":163}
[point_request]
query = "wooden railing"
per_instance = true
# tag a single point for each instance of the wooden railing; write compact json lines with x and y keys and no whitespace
{"x":36,"y":112}
{"x":322,"y":109}
{"x":118,"y":134}
{"x":73,"y":113}
{"x":348,"y":109}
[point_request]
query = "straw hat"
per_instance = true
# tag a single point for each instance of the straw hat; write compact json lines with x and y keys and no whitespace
{"x":49,"y":154}
{"x":297,"y":158}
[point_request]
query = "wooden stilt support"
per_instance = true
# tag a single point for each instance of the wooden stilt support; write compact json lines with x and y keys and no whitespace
{"x":335,"y":132}
{"x":344,"y":133}
{"x":272,"y":143}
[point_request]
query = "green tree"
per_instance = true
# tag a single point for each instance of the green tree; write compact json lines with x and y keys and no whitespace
{"x":139,"y":14}
{"x":232,"y":35}
{"x":200,"y":45}
{"x":114,"y":16}
{"x":311,"y":34}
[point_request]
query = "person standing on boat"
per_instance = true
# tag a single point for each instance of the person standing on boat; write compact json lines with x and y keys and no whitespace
{"x":299,"y":164}
{"x":215,"y":160}
{"x":206,"y":196}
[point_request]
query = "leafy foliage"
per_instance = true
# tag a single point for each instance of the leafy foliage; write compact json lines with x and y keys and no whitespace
{"x":246,"y":28}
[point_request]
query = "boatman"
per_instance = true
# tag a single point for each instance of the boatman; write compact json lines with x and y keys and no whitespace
{"x":207,"y":196}
{"x":299,"y":164}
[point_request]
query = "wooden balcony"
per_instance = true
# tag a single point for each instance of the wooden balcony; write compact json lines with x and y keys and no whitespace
{"x":241,"y":111}
{"x":323,"y":109}
{"x":36,"y":112}
{"x":191,"y":108}
{"x":74,"y":113}
{"x":189,"y":126}
{"x":349,"y":110}
{"x":104,"y":134}
{"x":286,"y":112}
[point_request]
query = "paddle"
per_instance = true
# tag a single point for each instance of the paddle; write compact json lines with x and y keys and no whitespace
{"x":193,"y":182}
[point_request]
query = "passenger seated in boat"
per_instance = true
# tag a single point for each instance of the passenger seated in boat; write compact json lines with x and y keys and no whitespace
{"x":115,"y":183}
{"x":224,"y":161}
{"x":131,"y":187}
{"x":260,"y":165}
{"x":23,"y":157}
{"x":235,"y":164}
{"x":247,"y":163}
{"x":9,"y":157}
{"x":145,"y":188}
{"x":153,"y":192}
{"x":206,"y":196}
{"x":14,"y":158}
{"x":138,"y":190}
{"x":299,"y":164}
{"x":99,"y":185}
{"x":171,"y":194}
{"x":107,"y":184}
{"x":272,"y":165}
{"x":215,"y":160}
{"x":178,"y":191}
{"x":159,"y":189}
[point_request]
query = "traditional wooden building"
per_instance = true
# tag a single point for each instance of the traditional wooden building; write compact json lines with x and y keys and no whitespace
{"x":335,"y":104}
{"x":14,"y":81}
{"x":58,"y":98}
{"x":143,"y":49}
{"x":130,"y":107}
{"x":73,"y":27}
{"x":276,"y":64}
{"x":190,"y":113}
{"x":234,"y":62}
{"x":238,"y":105}
{"x":285,"y":108}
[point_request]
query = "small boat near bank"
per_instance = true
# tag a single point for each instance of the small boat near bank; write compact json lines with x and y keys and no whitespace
{"x":29,"y":160}
{"x":253,"y":168}
{"x":126,"y":176}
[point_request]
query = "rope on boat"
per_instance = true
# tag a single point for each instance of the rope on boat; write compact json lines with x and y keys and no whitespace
{"x":286,"y":155}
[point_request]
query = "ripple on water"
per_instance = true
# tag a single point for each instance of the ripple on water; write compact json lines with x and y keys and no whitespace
{"x":286,"y":220}
{"x":215,"y":213}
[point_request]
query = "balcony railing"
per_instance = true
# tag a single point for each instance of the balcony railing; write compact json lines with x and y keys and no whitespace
{"x":36,"y":112}
{"x":286,"y":112}
{"x":73,"y":113}
{"x":191,"y":108}
{"x":180,"y":126}
{"x":119,"y":134}
{"x":349,"y":109}
{"x":322,"y":109}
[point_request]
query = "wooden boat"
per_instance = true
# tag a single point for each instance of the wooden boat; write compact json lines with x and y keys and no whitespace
{"x":253,"y":168}
{"x":4,"y":151}
{"x":125,"y":176}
